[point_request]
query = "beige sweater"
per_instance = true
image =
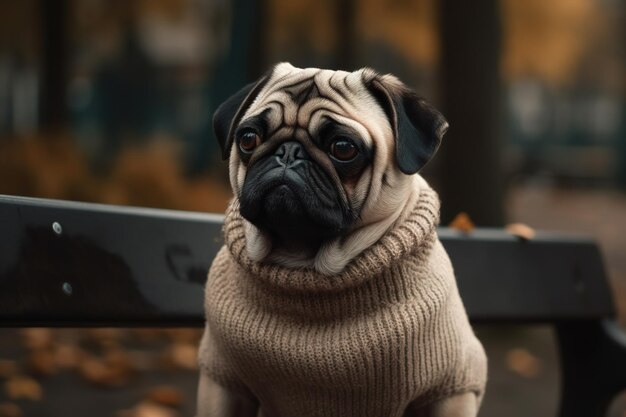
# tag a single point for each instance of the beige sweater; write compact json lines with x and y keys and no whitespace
{"x":389,"y":331}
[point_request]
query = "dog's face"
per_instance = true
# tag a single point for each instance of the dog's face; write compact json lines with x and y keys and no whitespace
{"x":317,"y":154}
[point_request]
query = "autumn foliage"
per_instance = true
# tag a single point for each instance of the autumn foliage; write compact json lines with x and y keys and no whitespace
{"x":141,"y":175}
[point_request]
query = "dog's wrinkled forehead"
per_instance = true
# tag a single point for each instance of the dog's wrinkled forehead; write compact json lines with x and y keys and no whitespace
{"x":303,"y":98}
{"x":295,"y":103}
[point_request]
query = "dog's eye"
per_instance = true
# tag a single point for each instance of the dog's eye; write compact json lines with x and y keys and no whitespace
{"x":343,"y":150}
{"x":249,"y":140}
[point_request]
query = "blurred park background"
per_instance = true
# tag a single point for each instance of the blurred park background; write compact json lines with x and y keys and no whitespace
{"x":111,"y":102}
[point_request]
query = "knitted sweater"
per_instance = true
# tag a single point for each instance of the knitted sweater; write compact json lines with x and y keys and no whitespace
{"x":388,"y":331}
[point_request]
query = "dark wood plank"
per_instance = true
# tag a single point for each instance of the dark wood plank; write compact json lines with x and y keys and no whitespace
{"x":123,"y":266}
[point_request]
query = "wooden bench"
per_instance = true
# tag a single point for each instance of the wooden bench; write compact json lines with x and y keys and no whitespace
{"x":72,"y":264}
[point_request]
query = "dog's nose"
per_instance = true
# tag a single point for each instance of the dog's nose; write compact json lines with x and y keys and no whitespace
{"x":291,"y":152}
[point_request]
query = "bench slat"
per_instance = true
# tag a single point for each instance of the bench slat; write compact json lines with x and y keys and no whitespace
{"x":123,"y":266}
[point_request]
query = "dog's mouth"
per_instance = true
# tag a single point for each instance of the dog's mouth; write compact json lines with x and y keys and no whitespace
{"x":279,"y":189}
{"x":290,"y":206}
{"x":283,"y":202}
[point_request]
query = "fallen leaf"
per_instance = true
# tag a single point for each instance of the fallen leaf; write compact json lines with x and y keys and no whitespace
{"x":41,"y":362}
{"x":37,"y":338}
{"x":67,"y":356}
{"x":10,"y":410}
{"x":166,"y":395}
{"x":93,"y":370}
{"x":114,"y":369}
{"x":23,"y":387}
{"x":523,"y":363}
{"x":181,"y":356}
{"x":520,"y":230}
{"x":148,"y":409}
{"x":463,"y":223}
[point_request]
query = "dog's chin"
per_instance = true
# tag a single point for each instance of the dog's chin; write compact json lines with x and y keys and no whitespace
{"x":291,"y":220}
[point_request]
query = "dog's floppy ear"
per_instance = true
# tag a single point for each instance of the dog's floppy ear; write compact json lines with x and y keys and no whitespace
{"x":417,"y":126}
{"x":230,"y":112}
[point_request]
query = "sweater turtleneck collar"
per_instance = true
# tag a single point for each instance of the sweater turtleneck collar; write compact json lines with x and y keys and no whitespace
{"x":412,"y":235}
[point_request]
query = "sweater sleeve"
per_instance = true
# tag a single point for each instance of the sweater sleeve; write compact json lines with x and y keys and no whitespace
{"x":476,"y":368}
{"x":470,"y":372}
{"x":465,"y":369}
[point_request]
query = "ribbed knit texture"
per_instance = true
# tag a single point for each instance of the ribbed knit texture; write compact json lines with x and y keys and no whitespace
{"x":388,"y":331}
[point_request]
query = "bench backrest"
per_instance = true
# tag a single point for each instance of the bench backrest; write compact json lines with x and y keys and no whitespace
{"x":77,"y":264}
{"x":66,"y":264}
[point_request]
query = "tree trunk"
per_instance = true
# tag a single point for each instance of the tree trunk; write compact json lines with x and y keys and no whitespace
{"x":345,"y":24}
{"x":54,"y":75}
{"x":471,"y":175}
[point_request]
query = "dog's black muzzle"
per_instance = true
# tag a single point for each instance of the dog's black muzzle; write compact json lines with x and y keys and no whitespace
{"x":286,"y":192}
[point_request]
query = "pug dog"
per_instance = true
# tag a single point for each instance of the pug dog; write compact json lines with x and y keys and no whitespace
{"x":332,"y":295}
